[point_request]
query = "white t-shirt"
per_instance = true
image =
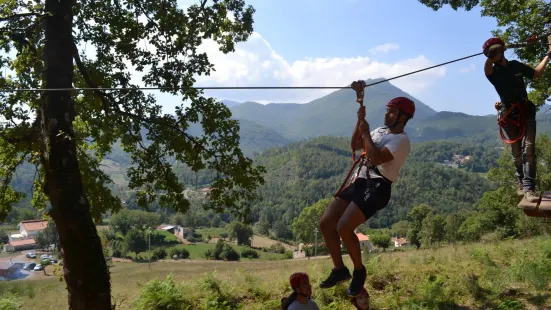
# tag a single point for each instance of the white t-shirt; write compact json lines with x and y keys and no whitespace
{"x":296,"y":305}
{"x":398,"y":145}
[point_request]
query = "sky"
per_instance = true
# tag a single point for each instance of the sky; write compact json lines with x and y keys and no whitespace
{"x":332,"y":43}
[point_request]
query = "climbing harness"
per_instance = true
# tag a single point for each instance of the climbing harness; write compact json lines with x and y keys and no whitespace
{"x":513,"y":115}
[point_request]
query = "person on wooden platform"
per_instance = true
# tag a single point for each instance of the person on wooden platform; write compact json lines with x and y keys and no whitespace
{"x":507,"y":77}
{"x":385,"y":151}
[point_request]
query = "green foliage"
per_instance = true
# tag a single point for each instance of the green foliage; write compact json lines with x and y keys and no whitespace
{"x":499,"y":210}
{"x":243,"y":233}
{"x":134,"y":241}
{"x":308,"y":221}
{"x":415,"y":220}
{"x":134,"y":120}
{"x":162,"y":238}
{"x":222,"y":251}
{"x":158,"y":253}
{"x":179,"y":252}
{"x":400,"y":228}
{"x":125,"y":220}
{"x":249,"y":253}
{"x":162,"y":294}
{"x":432,"y":229}
{"x":381,"y":240}
{"x":10,"y":302}
{"x":454,"y":4}
{"x":517,"y":20}
{"x":48,"y":236}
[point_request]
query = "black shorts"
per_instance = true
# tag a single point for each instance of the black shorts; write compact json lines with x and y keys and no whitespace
{"x":370,"y":195}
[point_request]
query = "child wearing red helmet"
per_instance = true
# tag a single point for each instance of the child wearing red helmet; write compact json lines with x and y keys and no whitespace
{"x":301,"y":298}
{"x":386,"y":151}
{"x":507,"y":77}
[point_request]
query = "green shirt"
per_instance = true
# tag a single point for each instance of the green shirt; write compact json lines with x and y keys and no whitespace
{"x":509,"y":82}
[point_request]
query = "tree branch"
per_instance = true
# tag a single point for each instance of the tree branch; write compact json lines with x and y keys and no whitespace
{"x":11,"y":171}
{"x":108,"y":100}
{"x":6,"y":18}
{"x":27,"y":137}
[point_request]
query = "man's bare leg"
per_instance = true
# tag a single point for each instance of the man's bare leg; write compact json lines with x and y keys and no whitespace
{"x":351,"y":219}
{"x":328,"y":226}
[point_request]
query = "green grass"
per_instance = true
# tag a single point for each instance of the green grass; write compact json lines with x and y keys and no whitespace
{"x":512,"y":274}
{"x":214,"y":232}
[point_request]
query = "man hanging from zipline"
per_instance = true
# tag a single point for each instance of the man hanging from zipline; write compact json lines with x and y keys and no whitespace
{"x":517,"y":114}
{"x":385,"y":151}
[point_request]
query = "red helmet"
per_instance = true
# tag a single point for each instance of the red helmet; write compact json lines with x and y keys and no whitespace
{"x":491,"y":42}
{"x":403,"y":104}
{"x":296,"y":278}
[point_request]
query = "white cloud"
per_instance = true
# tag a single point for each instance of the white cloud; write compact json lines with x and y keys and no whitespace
{"x":256,"y":63}
{"x":384,"y":48}
{"x":467,"y":69}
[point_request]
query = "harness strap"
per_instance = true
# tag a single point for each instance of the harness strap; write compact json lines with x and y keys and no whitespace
{"x":506,"y":119}
{"x":345,"y":182}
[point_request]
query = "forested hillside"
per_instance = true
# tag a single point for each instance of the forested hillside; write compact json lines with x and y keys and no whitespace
{"x":449,"y":152}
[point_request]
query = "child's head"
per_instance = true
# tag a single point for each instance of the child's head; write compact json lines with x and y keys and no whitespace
{"x":361,"y":301}
{"x":300,"y":283}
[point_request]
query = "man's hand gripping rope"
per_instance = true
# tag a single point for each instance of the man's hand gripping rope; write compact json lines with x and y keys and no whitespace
{"x":359,"y":87}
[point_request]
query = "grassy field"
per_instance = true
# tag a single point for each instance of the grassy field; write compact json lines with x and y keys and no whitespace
{"x":502,"y":275}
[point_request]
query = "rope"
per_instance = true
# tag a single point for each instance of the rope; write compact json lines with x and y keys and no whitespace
{"x":235,"y":87}
{"x":503,"y":120}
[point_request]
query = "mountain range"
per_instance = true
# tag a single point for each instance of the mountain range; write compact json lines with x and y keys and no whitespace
{"x":334,"y":115}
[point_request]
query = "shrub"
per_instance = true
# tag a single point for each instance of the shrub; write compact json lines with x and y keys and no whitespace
{"x":179,"y":252}
{"x":288,"y":254}
{"x":222,"y":251}
{"x":162,"y":294}
{"x":249,"y":253}
{"x":158,"y":253}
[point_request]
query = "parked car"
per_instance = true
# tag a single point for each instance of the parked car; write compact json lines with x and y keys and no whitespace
{"x":44,"y":256}
{"x":31,"y":255}
{"x":38,"y":267}
{"x":29,"y":266}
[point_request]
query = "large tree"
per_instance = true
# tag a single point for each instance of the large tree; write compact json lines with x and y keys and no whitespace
{"x":66,"y":133}
{"x":517,"y":20}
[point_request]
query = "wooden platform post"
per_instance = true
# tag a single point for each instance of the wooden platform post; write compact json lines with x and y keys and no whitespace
{"x":540,"y":208}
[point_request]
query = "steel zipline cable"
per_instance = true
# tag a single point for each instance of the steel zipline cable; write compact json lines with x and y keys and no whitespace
{"x":230,"y":87}
{"x":512,"y":45}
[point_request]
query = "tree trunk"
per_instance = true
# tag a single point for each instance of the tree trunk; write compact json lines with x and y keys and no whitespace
{"x":84,"y":267}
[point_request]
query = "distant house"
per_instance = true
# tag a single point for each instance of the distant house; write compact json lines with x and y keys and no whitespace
{"x":20,"y":245}
{"x":365,"y":243}
{"x":177,"y":230}
{"x":29,"y":229}
{"x":399,"y":242}
{"x":8,"y":270}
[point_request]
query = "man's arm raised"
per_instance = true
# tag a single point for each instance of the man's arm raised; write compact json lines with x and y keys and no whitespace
{"x":376,"y":155}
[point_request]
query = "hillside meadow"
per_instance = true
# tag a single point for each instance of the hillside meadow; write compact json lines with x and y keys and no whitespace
{"x":510,"y":274}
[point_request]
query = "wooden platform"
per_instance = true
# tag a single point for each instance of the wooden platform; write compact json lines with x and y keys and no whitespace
{"x":540,"y":208}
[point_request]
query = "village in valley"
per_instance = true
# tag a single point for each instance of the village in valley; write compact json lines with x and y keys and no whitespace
{"x":27,"y":250}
